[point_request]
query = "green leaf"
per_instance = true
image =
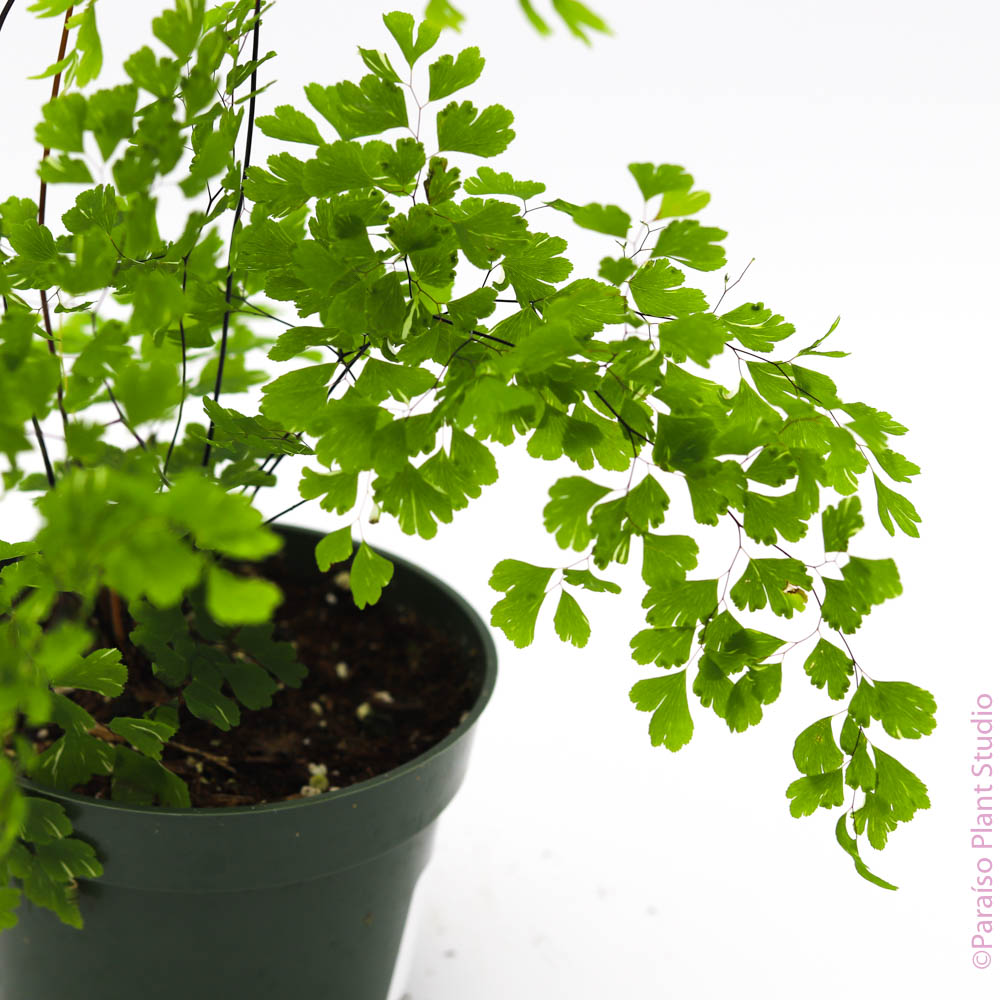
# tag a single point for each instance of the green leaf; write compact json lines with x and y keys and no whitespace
{"x":765,"y":517}
{"x":400,"y":26}
{"x":899,"y":468}
{"x":567,"y":512}
{"x":465,"y":312}
{"x":450,"y":73}
{"x":905,"y":710}
{"x":534,"y":264}
{"x":815,"y":750}
{"x":63,"y":169}
{"x":370,"y":575}
{"x":646,"y":504}
{"x":743,"y":707}
{"x":608,"y":219}
{"x":860,"y":771}
{"x":865,"y":583}
{"x":294,"y":399}
{"x":378,"y":63}
{"x":712,"y":685}
{"x":692,"y":244}
{"x":841,"y":523}
{"x":62,"y":123}
{"x":413,"y":500}
{"x":291,"y":125}
{"x":179,"y":29}
{"x":849,"y":844}
{"x":10,"y":900}
{"x":459,"y":128}
{"x":334,"y":548}
{"x":235,"y":600}
{"x":368,"y":108}
{"x":780,"y":583}
{"x":660,"y":180}
{"x":681,"y":602}
{"x":146,"y":735}
{"x":380,"y":380}
{"x":666,"y":647}
{"x":584,"y":578}
{"x":570,"y":622}
{"x":524,"y":586}
{"x":101,"y":671}
{"x":251,"y":684}
{"x":142,"y":781}
{"x":441,"y":14}
{"x":700,"y":337}
{"x":578,"y":16}
{"x":872,"y":425}
{"x":72,"y":760}
{"x":68,"y":858}
{"x":45,"y":821}
{"x":666,"y":697}
{"x":829,"y":666}
{"x":898,"y":794}
{"x":221,"y":521}
{"x":815,"y":790}
{"x":441,"y":184}
{"x":535,"y":19}
{"x":894,"y":506}
{"x":616,"y":269}
{"x":159,"y":77}
{"x":655,"y":290}
{"x":667,"y":558}
{"x":488,"y":181}
{"x":756,"y":327}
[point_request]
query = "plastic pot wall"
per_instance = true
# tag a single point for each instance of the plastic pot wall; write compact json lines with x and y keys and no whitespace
{"x":304,"y":899}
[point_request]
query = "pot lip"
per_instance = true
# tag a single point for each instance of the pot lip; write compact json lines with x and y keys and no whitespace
{"x":350,"y":791}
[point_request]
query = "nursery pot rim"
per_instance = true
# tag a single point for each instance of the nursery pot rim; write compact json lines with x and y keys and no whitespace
{"x":358,"y":788}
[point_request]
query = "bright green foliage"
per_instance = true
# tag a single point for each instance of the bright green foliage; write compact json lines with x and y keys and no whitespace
{"x":570,"y":622}
{"x":815,"y":750}
{"x":778,"y":583}
{"x":451,"y":73}
{"x":681,"y":603}
{"x":370,"y":575}
{"x":850,"y":844}
{"x":894,"y":507}
{"x":524,"y":586}
{"x":815,"y":790}
{"x":354,"y":110}
{"x":674,"y":184}
{"x":426,"y":320}
{"x":840,"y":523}
{"x":461,"y":128}
{"x":829,"y":666}
{"x":864,"y":583}
{"x":692,"y":244}
{"x":291,"y":125}
{"x":666,"y":697}
{"x":567,"y":514}
{"x":666,"y":647}
{"x":609,"y":219}
{"x":489,"y":181}
{"x":897,"y":796}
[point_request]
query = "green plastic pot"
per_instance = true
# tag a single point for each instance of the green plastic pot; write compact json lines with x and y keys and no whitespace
{"x":296,"y":900}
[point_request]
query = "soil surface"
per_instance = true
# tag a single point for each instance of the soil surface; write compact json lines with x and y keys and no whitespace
{"x":383,"y":686}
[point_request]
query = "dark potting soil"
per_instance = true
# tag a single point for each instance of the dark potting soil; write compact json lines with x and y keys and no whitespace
{"x":383,"y":686}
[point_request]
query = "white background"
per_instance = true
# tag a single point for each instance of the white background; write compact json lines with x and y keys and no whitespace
{"x":851,"y":150}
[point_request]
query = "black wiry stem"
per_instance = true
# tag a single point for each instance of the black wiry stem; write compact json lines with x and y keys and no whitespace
{"x":42,"y":189}
{"x":180,"y":409}
{"x":3,"y":13}
{"x":223,"y":340}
